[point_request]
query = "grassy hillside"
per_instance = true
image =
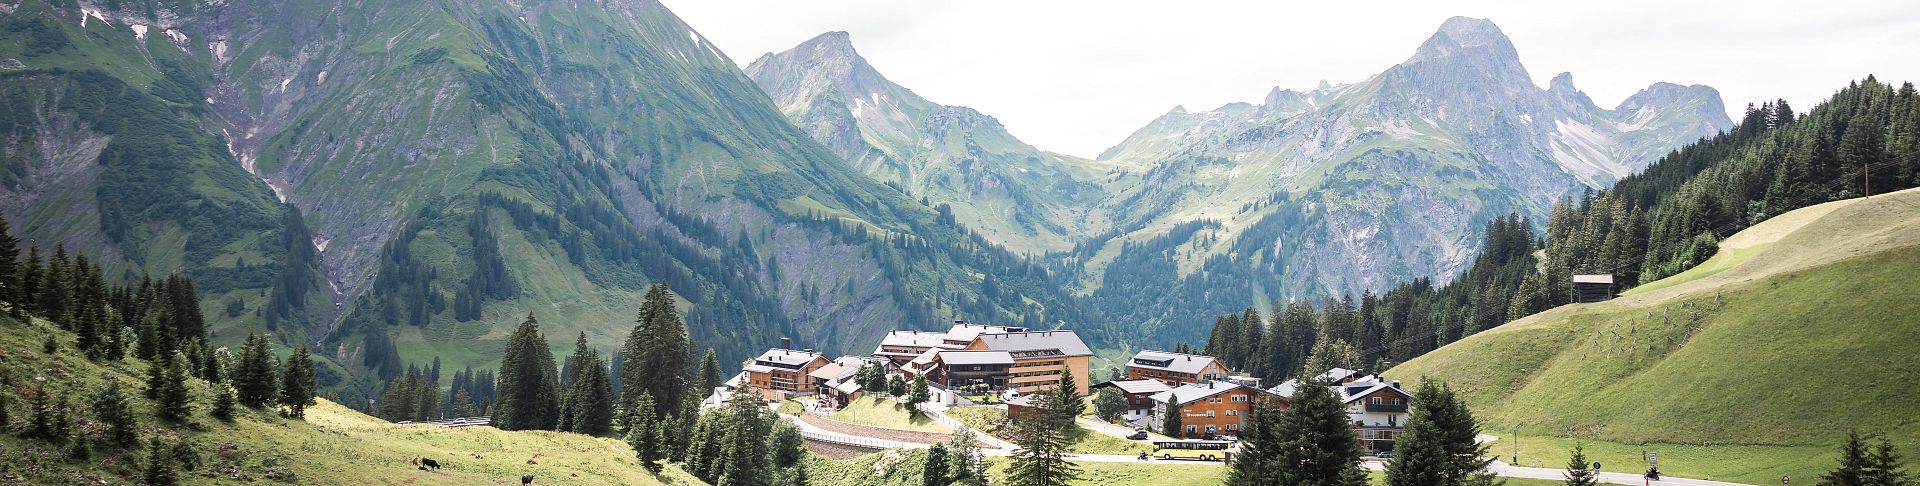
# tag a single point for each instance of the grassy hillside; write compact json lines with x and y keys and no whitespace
{"x":1796,"y":332}
{"x":333,"y":446}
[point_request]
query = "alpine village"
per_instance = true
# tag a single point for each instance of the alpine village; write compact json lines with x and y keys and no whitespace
{"x":495,"y":242}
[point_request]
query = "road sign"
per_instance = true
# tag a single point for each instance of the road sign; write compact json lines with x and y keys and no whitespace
{"x":1785,"y":480}
{"x":1596,"y":465}
{"x":1653,"y":458}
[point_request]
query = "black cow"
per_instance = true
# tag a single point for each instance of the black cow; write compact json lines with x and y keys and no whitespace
{"x":429,"y":464}
{"x":527,"y":479}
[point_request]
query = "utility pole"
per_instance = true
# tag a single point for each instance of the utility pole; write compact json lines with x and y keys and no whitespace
{"x":1516,"y":446}
{"x":1866,"y":181}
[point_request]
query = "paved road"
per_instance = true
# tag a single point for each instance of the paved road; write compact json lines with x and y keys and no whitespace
{"x":1505,"y":470}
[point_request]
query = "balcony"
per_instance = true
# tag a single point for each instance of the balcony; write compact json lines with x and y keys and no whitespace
{"x":1386,"y":408}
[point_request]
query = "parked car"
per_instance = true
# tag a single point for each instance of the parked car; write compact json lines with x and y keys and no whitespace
{"x":1138,"y":434}
{"x":1385,"y":455}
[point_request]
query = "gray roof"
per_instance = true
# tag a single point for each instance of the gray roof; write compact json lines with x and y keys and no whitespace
{"x":1601,"y":279}
{"x":1137,"y":386}
{"x":1175,"y":362}
{"x":1191,"y":392}
{"x":1065,"y":343}
{"x":785,"y":358}
{"x":976,"y":357}
{"x":912,"y":338}
{"x":964,"y":332}
{"x":1348,"y":392}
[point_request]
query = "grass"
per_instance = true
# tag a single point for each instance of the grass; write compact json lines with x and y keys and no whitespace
{"x":877,"y":412}
{"x":1130,"y":473}
{"x":1085,"y":441}
{"x":1379,"y":478}
{"x":1745,"y":372}
{"x":791,"y":407}
{"x":334,"y":445}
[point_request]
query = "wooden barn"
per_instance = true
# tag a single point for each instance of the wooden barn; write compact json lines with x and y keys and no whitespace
{"x":1593,"y":288}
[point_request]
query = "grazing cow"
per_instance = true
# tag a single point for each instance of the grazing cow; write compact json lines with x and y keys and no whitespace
{"x":526,"y":480}
{"x":429,"y":464}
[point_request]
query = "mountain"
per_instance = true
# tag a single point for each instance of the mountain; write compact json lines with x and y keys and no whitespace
{"x":1014,"y":194}
{"x":457,"y":166}
{"x":1762,"y":346}
{"x":1350,"y":188}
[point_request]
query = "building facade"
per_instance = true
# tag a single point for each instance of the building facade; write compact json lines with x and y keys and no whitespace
{"x":1175,"y":368}
{"x":779,"y":373}
{"x":1213,"y":408}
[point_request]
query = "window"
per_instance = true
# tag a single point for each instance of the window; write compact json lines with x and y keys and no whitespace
{"x":1233,"y":413}
{"x":1209,"y":413}
{"x":1240,"y":398}
{"x":1233,"y":427}
{"x":1191,"y":429}
{"x":1377,"y":400}
{"x":1396,"y":400}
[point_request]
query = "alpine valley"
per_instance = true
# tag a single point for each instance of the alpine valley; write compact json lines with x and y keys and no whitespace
{"x":411,"y":179}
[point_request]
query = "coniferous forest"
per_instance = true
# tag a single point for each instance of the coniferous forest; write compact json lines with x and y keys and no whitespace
{"x":1666,"y":219}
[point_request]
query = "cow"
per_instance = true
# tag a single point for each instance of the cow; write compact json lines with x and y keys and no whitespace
{"x":526,"y":480}
{"x":429,"y":464}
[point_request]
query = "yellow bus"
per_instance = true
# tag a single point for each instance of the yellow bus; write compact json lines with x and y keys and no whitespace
{"x":1202,"y":450}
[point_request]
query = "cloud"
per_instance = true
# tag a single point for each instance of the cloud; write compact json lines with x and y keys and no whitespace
{"x":1079,"y":76}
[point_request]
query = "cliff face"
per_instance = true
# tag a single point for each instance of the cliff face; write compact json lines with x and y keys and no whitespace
{"x":1352,"y":188}
{"x":462,"y":164}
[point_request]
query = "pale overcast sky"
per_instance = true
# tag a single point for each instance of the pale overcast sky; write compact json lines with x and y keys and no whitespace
{"x":1078,"y":76}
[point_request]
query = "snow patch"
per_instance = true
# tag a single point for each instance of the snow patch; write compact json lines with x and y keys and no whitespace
{"x":320,"y":78}
{"x":139,"y":32}
{"x":283,"y":84}
{"x":85,"y":12}
{"x":219,"y":49}
{"x":1585,"y":152}
{"x":177,"y":36}
{"x":321,"y":243}
{"x":1638,"y":121}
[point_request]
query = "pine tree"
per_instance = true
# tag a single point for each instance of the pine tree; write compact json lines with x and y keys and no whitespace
{"x":1041,"y":436}
{"x":1577,"y":473}
{"x":30,"y":285}
{"x":223,"y":402}
{"x":657,"y":351}
{"x":297,"y":386}
{"x":79,"y":449}
{"x":968,"y":467}
{"x":645,"y":434}
{"x":934,"y":473}
{"x":1438,"y":446}
{"x":1854,"y":464}
{"x":160,"y":464}
{"x":1109,"y":404}
{"x":1170,"y":425}
{"x":9,"y":269}
{"x":742,"y":459}
{"x":589,"y":396}
{"x":56,"y":288}
{"x":112,"y":408}
{"x":1886,"y":469}
{"x":1255,"y":464}
{"x":788,"y":453}
{"x":253,"y":379}
{"x":528,"y":396}
{"x":896,"y":386}
{"x":709,"y":373}
{"x":1066,"y":397}
{"x":1319,"y":446}
{"x":173,"y":403}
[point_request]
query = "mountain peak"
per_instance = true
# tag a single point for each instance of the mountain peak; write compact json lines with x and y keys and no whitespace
{"x":1562,"y":83}
{"x":1464,"y":35}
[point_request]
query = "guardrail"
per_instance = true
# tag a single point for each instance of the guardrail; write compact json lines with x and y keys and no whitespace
{"x":943,"y":419}
{"x":453,"y":422}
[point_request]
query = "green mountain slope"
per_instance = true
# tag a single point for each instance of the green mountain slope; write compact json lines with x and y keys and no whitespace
{"x":1793,"y":334}
{"x":1012,"y":193}
{"x":461,"y":164}
{"x":334,"y":445}
{"x":1351,"y":188}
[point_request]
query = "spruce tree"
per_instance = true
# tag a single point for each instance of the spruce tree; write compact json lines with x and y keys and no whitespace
{"x":1040,"y":433}
{"x":934,"y":473}
{"x":644,"y":434}
{"x":223,"y":402}
{"x":1170,"y":425}
{"x":9,"y":268}
{"x":56,"y":288}
{"x":112,"y":408}
{"x":297,"y":386}
{"x":1578,"y":473}
{"x":968,"y":467}
{"x":896,"y":386}
{"x":528,"y":395}
{"x":742,"y":457}
{"x":254,"y":378}
{"x":709,"y":373}
{"x":1066,"y":396}
{"x":589,"y":397}
{"x":1319,"y":446}
{"x":30,"y":285}
{"x":1255,"y":464}
{"x":160,"y":466}
{"x":1885,"y":468}
{"x":789,"y":452}
{"x":173,"y":402}
{"x":657,"y":351}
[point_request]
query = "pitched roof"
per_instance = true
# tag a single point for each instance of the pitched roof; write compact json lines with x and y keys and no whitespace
{"x":1037,"y":343}
{"x":1137,"y":386}
{"x":917,"y":339}
{"x":1360,"y":389}
{"x":1170,"y":361}
{"x":976,"y":357}
{"x":784,"y":358}
{"x":1193,"y":392}
{"x":965,"y":332}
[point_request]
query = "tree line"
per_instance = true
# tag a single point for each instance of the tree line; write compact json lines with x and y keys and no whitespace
{"x":155,"y":323}
{"x":1669,"y":217}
